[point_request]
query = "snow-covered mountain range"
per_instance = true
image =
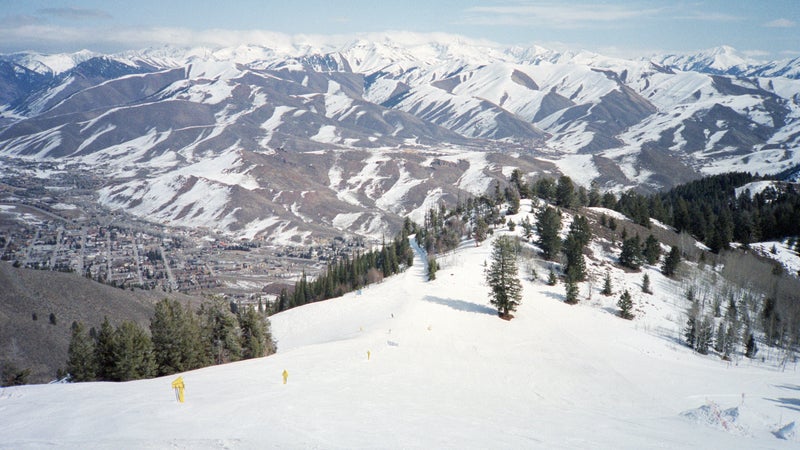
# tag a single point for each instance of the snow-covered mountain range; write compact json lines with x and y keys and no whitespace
{"x":289,"y":139}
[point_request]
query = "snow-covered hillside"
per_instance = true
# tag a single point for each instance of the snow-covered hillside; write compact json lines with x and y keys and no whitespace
{"x":291,"y":108}
{"x":415,"y":364}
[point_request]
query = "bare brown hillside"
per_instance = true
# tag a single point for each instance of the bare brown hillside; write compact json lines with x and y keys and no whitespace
{"x":39,"y":345}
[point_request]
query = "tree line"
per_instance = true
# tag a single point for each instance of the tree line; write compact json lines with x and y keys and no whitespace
{"x":179,"y":339}
{"x":348,"y":274}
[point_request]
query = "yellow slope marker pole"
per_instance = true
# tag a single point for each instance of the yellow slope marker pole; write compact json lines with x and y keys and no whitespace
{"x":179,"y":387}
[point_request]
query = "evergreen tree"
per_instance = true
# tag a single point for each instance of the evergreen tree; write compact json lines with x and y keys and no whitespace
{"x":705,"y":335}
{"x":631,"y":256}
{"x":283,"y":300}
{"x":81,"y":364}
{"x":652,"y":250}
{"x":607,"y":286}
{"x":771,"y":320}
{"x":104,"y":351}
{"x":221,"y":333}
{"x":502,"y":277}
{"x":719,"y":338}
{"x":625,"y":304}
{"x":646,"y":284}
{"x":527,"y":227}
{"x":594,"y":196}
{"x":513,"y":198}
{"x":433,"y":266}
{"x":575,"y":268}
{"x":731,"y":328}
{"x":133,"y":353}
{"x":731,"y":340}
{"x":578,"y":237}
{"x":548,"y":225}
{"x":481,"y":230}
{"x":609,"y":201}
{"x":256,"y":336}
{"x":552,"y":279}
{"x":177,"y":339}
{"x":751,"y":348}
{"x":571,"y":291}
{"x":692,"y":323}
{"x":565,"y":192}
{"x":545,"y":188}
{"x":517,"y":181}
{"x":670,"y":266}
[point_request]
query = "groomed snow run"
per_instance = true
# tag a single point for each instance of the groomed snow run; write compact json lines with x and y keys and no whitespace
{"x":443,"y":372}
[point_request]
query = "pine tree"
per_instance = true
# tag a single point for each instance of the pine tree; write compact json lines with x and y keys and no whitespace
{"x":502,"y":277}
{"x":719,"y":338}
{"x":652,"y":250}
{"x":692,"y":323}
{"x":571,"y":292}
{"x":578,"y":237}
{"x":481,"y":230}
{"x":177,"y":339}
{"x":81,"y":364}
{"x":631,"y":256}
{"x":705,"y":335}
{"x":548,"y":225}
{"x":256,"y":337}
{"x":433,"y":266}
{"x":221,"y":333}
{"x":670,"y":266}
{"x":646,"y":284}
{"x":751,"y":348}
{"x":625,"y":305}
{"x":552,"y":279}
{"x":104,"y":351}
{"x":565,"y":192}
{"x":133,"y":353}
{"x":607,"y":286}
{"x":513,"y":197}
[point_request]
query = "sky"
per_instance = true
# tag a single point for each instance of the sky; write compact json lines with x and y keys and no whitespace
{"x":763,"y":29}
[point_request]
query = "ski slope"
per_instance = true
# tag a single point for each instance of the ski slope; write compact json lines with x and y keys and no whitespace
{"x":443,"y":372}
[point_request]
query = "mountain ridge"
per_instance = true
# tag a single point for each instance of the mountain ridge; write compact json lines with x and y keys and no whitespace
{"x":638,"y":123}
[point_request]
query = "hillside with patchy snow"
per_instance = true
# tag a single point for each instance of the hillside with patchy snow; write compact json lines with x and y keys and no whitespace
{"x":279,"y":136}
{"x":410,"y":363}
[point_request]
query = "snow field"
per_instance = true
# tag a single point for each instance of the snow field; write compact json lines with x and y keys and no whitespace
{"x":443,"y":371}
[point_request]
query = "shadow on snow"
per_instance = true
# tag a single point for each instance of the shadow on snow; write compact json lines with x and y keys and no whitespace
{"x":461,"y":305}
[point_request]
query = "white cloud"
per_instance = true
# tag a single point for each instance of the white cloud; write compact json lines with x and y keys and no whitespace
{"x":780,"y":23}
{"x":75,"y":13}
{"x":554,"y":13}
{"x":53,"y":38}
{"x":756,"y":53}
